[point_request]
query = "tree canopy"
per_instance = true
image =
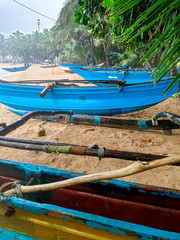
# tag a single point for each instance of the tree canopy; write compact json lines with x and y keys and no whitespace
{"x":130,"y":22}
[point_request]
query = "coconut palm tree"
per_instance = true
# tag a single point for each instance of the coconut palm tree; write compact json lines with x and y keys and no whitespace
{"x":81,"y":42}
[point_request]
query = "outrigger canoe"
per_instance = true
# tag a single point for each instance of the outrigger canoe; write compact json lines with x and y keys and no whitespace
{"x":127,"y":75}
{"x":93,"y":68}
{"x":98,"y":210}
{"x":16,"y":69}
{"x":49,"y":66}
{"x":66,"y":69}
{"x":94,"y":100}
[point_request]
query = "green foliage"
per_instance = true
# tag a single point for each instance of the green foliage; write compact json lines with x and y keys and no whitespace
{"x":133,"y":23}
{"x":160,"y":20}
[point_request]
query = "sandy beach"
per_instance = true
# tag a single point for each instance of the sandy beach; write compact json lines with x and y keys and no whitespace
{"x":154,"y":142}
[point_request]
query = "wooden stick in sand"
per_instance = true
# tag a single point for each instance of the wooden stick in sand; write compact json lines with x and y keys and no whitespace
{"x":134,"y":168}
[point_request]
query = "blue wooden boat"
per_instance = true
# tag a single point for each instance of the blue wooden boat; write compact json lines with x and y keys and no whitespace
{"x":16,"y":69}
{"x":94,"y":100}
{"x":98,"y":68}
{"x":105,"y":210}
{"x":64,"y":64}
{"x":130,"y":75}
{"x":91,"y":67}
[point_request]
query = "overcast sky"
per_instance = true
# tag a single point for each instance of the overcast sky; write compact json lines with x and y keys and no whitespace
{"x":16,"y":17}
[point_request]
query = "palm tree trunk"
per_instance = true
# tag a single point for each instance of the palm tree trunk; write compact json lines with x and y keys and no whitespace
{"x":174,"y":71}
{"x":106,"y":54}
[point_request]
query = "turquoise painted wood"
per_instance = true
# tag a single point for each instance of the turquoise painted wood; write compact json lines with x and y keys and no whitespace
{"x":85,"y":100}
{"x":6,"y":234}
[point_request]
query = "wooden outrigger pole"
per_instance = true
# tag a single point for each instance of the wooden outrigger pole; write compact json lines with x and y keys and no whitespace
{"x":52,"y":147}
{"x":172,"y":121}
{"x":65,"y":148}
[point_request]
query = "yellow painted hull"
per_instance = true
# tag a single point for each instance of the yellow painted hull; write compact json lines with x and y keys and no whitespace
{"x":52,"y":226}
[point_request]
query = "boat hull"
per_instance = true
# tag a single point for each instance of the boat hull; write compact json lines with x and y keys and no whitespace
{"x":66,"y":69}
{"x":50,"y":224}
{"x":48,"y":66}
{"x":85,"y":100}
{"x":60,"y":215}
{"x":94,"y":68}
{"x":128,"y":76}
{"x":16,"y":69}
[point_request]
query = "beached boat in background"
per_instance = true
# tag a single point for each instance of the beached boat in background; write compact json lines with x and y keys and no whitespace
{"x":93,"y":68}
{"x":66,"y":69}
{"x":64,"y":64}
{"x":111,"y":209}
{"x":48,"y":65}
{"x":93,"y":100}
{"x":16,"y":69}
{"x":98,"y":68}
{"x":130,"y":75}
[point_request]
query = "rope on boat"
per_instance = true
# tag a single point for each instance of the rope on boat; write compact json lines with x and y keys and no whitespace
{"x":101,"y":151}
{"x":121,"y":84}
{"x":94,"y":146}
{"x":17,"y":189}
{"x":70,"y":149}
{"x":68,"y":116}
{"x":171,"y":116}
{"x":15,"y":185}
{"x":56,"y":149}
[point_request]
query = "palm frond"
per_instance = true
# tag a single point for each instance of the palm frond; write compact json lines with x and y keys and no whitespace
{"x":161,"y":17}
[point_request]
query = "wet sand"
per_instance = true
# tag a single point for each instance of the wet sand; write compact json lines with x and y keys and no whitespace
{"x":154,"y":142}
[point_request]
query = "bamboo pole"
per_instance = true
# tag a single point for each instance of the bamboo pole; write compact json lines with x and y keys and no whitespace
{"x":134,"y":168}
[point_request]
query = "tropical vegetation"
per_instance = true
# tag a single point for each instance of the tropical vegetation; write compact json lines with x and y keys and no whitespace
{"x":133,"y":22}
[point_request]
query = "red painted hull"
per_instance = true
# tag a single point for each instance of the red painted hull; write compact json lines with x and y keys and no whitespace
{"x":69,"y":71}
{"x":66,"y":69}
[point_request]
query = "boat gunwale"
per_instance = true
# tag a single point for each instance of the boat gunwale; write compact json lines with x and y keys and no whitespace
{"x":106,"y":86}
{"x":28,"y":168}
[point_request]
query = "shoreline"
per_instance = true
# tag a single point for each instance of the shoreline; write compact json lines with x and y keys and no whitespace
{"x":117,"y":139}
